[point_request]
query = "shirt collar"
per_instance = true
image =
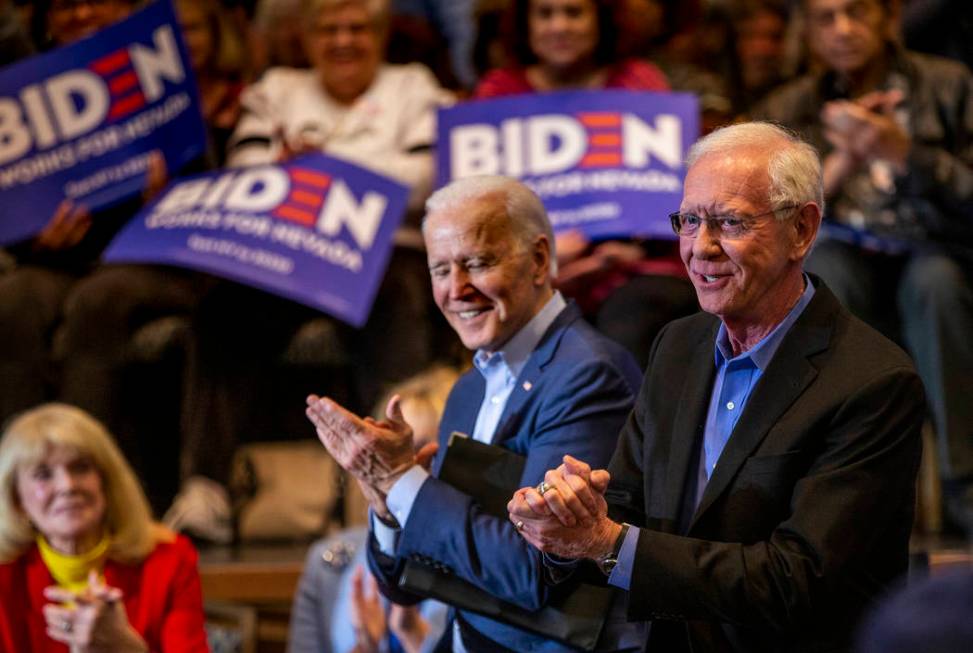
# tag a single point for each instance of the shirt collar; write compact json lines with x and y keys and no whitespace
{"x":762,"y":353}
{"x":519,"y":348}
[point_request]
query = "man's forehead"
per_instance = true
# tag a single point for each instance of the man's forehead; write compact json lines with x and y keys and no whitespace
{"x":474,"y":216}
{"x":733,"y":172}
{"x":469,"y":229}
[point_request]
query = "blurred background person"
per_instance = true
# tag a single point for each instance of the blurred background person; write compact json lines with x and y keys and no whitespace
{"x":350,"y":104}
{"x":895,"y":132}
{"x":454,"y":20}
{"x":489,"y":48}
{"x":628,"y":289}
{"x":81,"y":561}
{"x":566,"y":45}
{"x":336,"y":605}
{"x":276,"y":35}
{"x":219,"y":61}
{"x":353,"y":106}
{"x":756,"y":61}
{"x":650,"y":25}
{"x":15,"y":44}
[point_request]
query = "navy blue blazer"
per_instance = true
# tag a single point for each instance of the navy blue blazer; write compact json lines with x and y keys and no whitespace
{"x":572,"y":397}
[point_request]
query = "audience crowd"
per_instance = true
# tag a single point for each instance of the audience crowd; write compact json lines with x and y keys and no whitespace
{"x":183,"y":368}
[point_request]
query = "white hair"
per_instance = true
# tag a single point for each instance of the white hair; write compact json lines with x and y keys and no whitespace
{"x":794,"y":167}
{"x":523,"y":208}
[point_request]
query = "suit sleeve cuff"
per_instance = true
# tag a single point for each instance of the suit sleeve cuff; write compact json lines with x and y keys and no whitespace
{"x":558,"y":569}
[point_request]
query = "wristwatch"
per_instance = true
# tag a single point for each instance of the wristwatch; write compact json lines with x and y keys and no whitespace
{"x":607,"y":563}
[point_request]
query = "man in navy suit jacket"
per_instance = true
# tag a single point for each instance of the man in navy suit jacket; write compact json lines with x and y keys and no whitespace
{"x":545,"y":385}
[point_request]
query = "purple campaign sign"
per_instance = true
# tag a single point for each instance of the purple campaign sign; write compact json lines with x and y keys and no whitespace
{"x":79,"y":122}
{"x":316,"y":230}
{"x":609,"y":163}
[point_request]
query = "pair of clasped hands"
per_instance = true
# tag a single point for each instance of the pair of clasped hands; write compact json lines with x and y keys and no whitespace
{"x":566,"y":515}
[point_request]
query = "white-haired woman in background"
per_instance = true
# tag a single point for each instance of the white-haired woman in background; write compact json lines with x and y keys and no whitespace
{"x":82,"y":563}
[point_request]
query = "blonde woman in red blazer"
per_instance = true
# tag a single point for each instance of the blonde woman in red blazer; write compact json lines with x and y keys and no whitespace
{"x":82,"y":565}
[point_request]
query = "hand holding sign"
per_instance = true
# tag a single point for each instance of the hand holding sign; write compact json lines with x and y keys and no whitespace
{"x":79,"y":122}
{"x":67,"y":227}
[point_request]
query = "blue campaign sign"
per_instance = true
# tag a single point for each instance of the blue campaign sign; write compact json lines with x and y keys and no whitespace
{"x":80,"y":122}
{"x":317,"y":230}
{"x":609,"y":163}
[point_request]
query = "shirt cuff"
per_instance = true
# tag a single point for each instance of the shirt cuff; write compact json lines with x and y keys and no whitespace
{"x":621,"y":575}
{"x":386,"y":536}
{"x":403,"y":494}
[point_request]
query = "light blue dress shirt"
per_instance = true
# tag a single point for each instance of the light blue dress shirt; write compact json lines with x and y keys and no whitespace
{"x":500,"y":370}
{"x":736,"y":378}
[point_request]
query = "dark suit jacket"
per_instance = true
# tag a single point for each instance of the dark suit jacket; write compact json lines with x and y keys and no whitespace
{"x":572,"y":397}
{"x":807,"y":515}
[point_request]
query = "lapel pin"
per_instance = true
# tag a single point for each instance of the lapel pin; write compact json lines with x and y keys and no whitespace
{"x":527,"y":385}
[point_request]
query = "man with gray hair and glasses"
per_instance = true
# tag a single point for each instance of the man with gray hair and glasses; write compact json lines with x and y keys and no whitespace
{"x":762,"y":491}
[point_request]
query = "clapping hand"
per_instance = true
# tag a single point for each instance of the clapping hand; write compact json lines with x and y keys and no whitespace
{"x":865,"y":129}
{"x":376,"y":452}
{"x":367,"y":613}
{"x":92,"y":620}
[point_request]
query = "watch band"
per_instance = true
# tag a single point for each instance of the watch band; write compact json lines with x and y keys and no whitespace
{"x":607,"y":563}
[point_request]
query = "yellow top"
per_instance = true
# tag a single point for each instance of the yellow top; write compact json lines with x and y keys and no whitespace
{"x":71,"y":571}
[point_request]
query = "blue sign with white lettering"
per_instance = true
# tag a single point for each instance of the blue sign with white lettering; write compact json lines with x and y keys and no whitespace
{"x":316,"y":230}
{"x":609,"y":163}
{"x":80,"y":122}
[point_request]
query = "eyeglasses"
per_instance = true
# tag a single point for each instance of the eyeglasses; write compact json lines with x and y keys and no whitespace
{"x":728,"y":227}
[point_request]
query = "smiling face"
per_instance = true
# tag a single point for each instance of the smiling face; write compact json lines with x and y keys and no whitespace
{"x":64,"y":499}
{"x":344,"y":44}
{"x":749,"y":282}
{"x":486,"y":282}
{"x":563,"y":33}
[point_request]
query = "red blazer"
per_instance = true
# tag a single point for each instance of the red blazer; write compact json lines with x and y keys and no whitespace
{"x":162,"y":597}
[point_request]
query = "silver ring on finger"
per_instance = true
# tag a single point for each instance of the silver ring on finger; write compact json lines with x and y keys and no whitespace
{"x":543,"y":487}
{"x":67,"y":625}
{"x":519,"y":525}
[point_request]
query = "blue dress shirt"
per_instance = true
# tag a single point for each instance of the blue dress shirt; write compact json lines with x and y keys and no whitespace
{"x":736,"y":378}
{"x":500,"y":370}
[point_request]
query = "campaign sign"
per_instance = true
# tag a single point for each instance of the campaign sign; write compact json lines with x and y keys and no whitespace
{"x":79,"y":122}
{"x":316,"y":230}
{"x":609,"y":163}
